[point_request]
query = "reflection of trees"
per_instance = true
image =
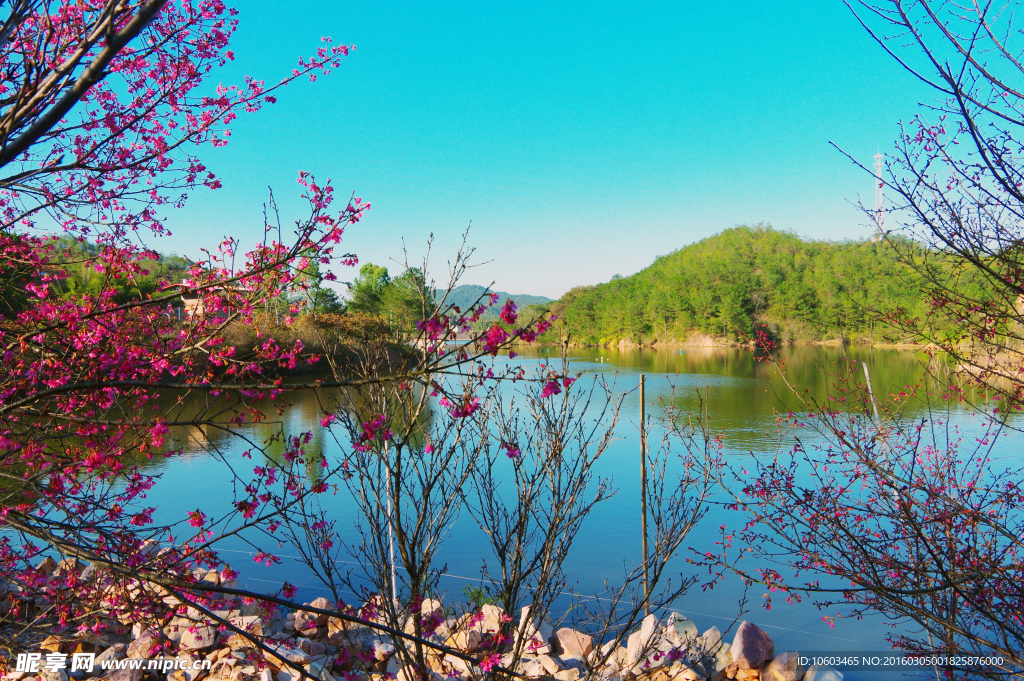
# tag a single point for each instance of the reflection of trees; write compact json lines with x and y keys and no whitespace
{"x":741,"y":393}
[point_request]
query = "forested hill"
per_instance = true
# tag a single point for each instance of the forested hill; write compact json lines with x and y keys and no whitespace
{"x":726,"y":284}
{"x":466,"y":294}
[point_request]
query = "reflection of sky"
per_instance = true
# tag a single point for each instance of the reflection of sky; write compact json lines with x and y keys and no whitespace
{"x":743,"y":399}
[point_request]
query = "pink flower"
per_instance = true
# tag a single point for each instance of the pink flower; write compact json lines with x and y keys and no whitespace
{"x":551,"y":388}
{"x":196,"y":518}
{"x":508,"y":312}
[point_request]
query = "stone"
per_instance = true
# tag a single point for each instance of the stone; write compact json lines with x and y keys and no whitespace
{"x":550,"y":664}
{"x":431,"y":607}
{"x":743,"y":674}
{"x":69,"y":565}
{"x":819,"y":673}
{"x":304,"y":621}
{"x":569,"y":642}
{"x":530,"y":667}
{"x":57,"y":675}
{"x":46,"y":566}
{"x":641,"y":642}
{"x":784,"y":667}
{"x":283,"y":676}
{"x":197,"y":637}
{"x":679,"y":631}
{"x":320,"y":668}
{"x":567,"y":674}
{"x":142,"y":647}
{"x":252,"y":624}
{"x":751,"y":647}
{"x":285,"y":654}
{"x":684,"y":672}
{"x":709,"y":642}
{"x":536,"y":634}
{"x":321,"y":603}
{"x":719,"y":665}
{"x":466,"y":641}
{"x":118,"y":651}
{"x":124,"y":675}
{"x":50,"y":645}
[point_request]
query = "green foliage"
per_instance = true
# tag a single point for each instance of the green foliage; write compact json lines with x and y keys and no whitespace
{"x":320,"y":299}
{"x":479,"y":596}
{"x":746,"y":277}
{"x":80,"y":259}
{"x":400,"y":300}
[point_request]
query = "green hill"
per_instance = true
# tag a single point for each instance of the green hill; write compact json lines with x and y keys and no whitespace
{"x":726,"y":285}
{"x":465,"y":295}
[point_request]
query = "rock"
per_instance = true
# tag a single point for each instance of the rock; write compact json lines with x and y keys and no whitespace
{"x":67,"y":566}
{"x":536,"y":634}
{"x":785,"y":667}
{"x":818,"y":673}
{"x":197,"y":637}
{"x":304,"y":621}
{"x":252,"y":624}
{"x":467,"y":641}
{"x":743,"y":674}
{"x":57,"y":675}
{"x":118,"y":651}
{"x":284,"y":676}
{"x":142,"y":647}
{"x":550,"y":664}
{"x":641,"y":642}
{"x":124,"y":675}
{"x":285,"y":654}
{"x":683,"y":672}
{"x":46,"y":566}
{"x":719,"y":665}
{"x":321,"y":603}
{"x":567,"y":675}
{"x":431,"y":607}
{"x":679,"y":631}
{"x":320,"y":668}
{"x":569,"y":642}
{"x":709,"y":642}
{"x":751,"y":647}
{"x":50,"y":645}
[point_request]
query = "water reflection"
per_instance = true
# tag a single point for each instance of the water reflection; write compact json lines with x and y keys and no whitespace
{"x":741,"y":396}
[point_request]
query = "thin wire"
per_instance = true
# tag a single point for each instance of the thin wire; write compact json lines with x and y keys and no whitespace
{"x":566,"y":593}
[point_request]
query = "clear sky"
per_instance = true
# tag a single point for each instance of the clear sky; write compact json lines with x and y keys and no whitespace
{"x":580,"y":139}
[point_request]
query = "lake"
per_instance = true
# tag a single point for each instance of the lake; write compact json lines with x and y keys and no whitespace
{"x":742,"y":397}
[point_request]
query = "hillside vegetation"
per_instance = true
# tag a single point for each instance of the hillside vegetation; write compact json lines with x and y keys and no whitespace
{"x":465,"y":295}
{"x":728,"y":284}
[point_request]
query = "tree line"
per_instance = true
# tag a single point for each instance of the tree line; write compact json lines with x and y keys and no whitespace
{"x":747,"y":279}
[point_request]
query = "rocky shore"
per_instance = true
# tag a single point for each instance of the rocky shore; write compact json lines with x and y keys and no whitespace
{"x":253,"y":642}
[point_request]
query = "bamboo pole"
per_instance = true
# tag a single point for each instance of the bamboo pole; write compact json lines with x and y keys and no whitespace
{"x":643,"y":492}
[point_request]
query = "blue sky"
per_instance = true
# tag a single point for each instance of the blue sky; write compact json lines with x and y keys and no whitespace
{"x":580,"y":139}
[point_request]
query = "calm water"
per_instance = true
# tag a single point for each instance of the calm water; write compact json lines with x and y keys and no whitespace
{"x":743,"y":398}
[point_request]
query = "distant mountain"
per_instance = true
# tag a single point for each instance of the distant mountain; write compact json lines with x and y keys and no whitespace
{"x":465,"y":295}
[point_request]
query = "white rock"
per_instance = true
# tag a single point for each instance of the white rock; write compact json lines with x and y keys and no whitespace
{"x":641,"y":642}
{"x":784,"y":667}
{"x":817,"y":673}
{"x":680,"y":631}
